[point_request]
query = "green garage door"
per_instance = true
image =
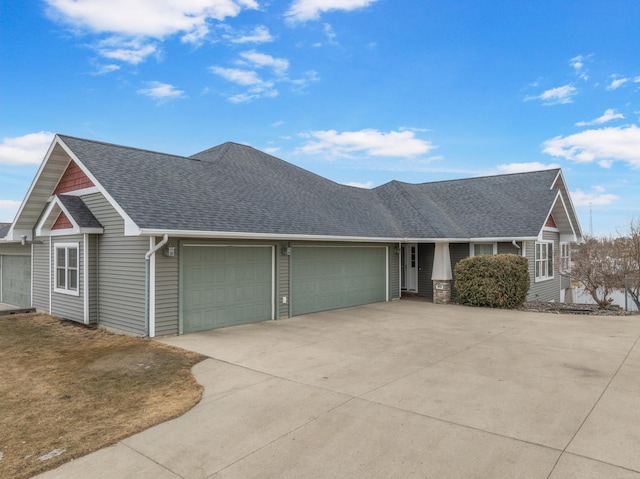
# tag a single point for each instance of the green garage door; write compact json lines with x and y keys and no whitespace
{"x":225,"y":286}
{"x":324,"y":278}
{"x":16,"y":280}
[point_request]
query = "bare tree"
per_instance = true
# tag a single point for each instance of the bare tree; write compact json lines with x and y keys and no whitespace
{"x":628,"y":254}
{"x":596,"y":265}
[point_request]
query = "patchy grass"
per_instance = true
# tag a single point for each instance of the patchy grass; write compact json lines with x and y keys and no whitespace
{"x":67,"y":390}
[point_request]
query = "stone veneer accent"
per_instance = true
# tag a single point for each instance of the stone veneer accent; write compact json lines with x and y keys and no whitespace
{"x":441,"y":291}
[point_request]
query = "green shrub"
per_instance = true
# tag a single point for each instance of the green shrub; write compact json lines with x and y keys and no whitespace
{"x":500,"y":281}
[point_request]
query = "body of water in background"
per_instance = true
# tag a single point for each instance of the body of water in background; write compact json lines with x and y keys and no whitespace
{"x":618,"y":299}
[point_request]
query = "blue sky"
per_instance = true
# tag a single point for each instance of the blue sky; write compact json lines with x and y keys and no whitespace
{"x":358,"y":91}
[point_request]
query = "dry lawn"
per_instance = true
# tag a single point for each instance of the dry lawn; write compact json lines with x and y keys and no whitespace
{"x":67,"y":390}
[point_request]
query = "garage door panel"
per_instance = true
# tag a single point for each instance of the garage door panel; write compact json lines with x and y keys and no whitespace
{"x":16,"y":280}
{"x":226,"y":286}
{"x":324,"y":278}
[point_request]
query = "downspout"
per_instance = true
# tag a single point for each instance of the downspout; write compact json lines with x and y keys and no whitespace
{"x":147,"y":281}
{"x":516,"y":245}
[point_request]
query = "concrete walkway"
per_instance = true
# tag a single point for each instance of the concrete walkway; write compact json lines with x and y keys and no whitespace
{"x":403,"y":389}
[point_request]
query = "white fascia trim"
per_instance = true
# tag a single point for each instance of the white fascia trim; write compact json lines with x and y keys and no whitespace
{"x":11,"y":233}
{"x":130,"y":228}
{"x":507,"y":239}
{"x":76,"y":231}
{"x":83,"y":191}
{"x":263,"y":236}
{"x":577,"y":231}
{"x":566,"y":212}
{"x":294,"y":237}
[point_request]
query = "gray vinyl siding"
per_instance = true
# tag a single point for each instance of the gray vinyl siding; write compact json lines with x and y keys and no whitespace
{"x":121,"y":271}
{"x":63,"y":305}
{"x":282,"y":274}
{"x":508,"y":248}
{"x":425,"y":269}
{"x":457,"y":252}
{"x":167,"y":271}
{"x":14,"y":249}
{"x":547,"y":290}
{"x":41,"y":274}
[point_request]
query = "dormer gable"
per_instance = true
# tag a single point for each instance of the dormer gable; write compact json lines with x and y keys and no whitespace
{"x":67,"y":215}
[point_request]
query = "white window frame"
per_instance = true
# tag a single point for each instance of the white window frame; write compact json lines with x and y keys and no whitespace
{"x":565,"y":257}
{"x":541,"y":265}
{"x":67,"y":268}
{"x":472,"y":248}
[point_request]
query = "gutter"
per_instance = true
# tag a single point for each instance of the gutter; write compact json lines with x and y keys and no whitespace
{"x":147,"y":284}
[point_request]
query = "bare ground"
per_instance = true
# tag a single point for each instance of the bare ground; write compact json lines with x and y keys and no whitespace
{"x":67,"y":390}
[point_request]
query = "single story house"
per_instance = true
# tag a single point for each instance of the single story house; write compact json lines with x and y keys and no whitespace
{"x":152,"y":244}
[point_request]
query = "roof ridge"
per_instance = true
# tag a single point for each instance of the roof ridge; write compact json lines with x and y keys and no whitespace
{"x":106,"y":143}
{"x":475,"y":177}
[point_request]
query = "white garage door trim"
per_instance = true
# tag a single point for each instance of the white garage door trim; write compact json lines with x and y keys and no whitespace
{"x":208,"y":245}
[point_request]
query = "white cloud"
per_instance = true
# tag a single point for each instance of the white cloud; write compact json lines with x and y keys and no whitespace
{"x":272,"y":150}
{"x":161,"y":92}
{"x":608,"y":115}
{"x":277,"y":123}
{"x":595,"y":198}
{"x":257,"y":59}
{"x":104,"y":69}
{"x":371,"y":142}
{"x":25,"y":150}
{"x":578,"y":66}
{"x":256,"y":86}
{"x":357,"y":184}
{"x":142,"y":20}
{"x":275,"y":73}
{"x":235,"y":75}
{"x":259,"y":35}
{"x":303,"y":10}
{"x":524,"y":167}
{"x":131,"y":51}
{"x":300,"y":84}
{"x":555,"y":96}
{"x":621,"y":143}
{"x":617,"y":83}
{"x":8,"y":210}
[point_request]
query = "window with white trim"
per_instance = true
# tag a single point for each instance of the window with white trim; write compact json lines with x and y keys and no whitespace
{"x":544,"y":261}
{"x":66,"y":268}
{"x":484,"y":249}
{"x":565,"y":257}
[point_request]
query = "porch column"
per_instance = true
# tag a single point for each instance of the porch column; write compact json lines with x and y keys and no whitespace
{"x":441,"y":275}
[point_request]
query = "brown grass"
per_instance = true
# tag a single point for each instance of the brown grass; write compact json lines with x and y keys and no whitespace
{"x":70,"y":388}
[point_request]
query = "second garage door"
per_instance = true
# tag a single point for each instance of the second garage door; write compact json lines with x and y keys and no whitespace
{"x":325,"y":278}
{"x":16,"y":280}
{"x":226,"y":286}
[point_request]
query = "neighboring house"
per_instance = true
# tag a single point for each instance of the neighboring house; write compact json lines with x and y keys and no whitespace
{"x":154,"y":244}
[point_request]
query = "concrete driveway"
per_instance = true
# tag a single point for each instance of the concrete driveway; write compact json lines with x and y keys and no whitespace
{"x":402,"y":389}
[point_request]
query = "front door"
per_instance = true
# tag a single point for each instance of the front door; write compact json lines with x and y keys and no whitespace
{"x":409,"y":264}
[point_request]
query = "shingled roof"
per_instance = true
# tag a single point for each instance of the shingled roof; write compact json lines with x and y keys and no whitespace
{"x":4,"y":229}
{"x":237,"y":188}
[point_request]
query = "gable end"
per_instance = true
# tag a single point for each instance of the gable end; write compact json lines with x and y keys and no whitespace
{"x":73,"y":179}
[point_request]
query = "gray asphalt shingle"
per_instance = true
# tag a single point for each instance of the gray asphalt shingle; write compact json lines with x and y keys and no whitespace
{"x":236,"y":188}
{"x":80,"y":212}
